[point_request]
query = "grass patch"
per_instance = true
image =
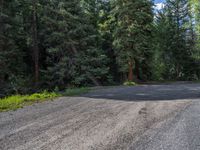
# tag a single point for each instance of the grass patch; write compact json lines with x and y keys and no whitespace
{"x":75,"y":91}
{"x":18,"y":101}
{"x":129,"y":83}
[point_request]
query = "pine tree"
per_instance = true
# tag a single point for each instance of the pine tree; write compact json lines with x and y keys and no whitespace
{"x":162,"y":38}
{"x":195,"y":14}
{"x":134,"y":19}
{"x":73,"y":55}
{"x":11,"y":37}
{"x":106,"y":28}
{"x":175,"y":40}
{"x":98,"y":12}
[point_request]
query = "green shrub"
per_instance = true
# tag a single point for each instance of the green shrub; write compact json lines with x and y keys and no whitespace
{"x":129,"y":83}
{"x":18,"y":101}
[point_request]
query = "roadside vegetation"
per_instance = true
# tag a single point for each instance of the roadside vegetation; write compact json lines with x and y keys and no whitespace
{"x":18,"y":101}
{"x":129,"y":83}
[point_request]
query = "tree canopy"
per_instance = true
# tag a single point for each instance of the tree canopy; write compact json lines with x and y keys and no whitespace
{"x":63,"y":43}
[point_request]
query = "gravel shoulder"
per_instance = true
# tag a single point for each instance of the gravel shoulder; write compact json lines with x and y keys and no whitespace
{"x":116,"y":118}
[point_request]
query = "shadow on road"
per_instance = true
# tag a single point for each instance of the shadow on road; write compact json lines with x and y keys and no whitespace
{"x":148,"y":92}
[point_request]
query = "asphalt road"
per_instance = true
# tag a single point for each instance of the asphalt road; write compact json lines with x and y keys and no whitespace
{"x":147,"y":117}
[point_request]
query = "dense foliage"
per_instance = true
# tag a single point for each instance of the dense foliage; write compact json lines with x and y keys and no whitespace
{"x":62,"y":43}
{"x":175,"y":42}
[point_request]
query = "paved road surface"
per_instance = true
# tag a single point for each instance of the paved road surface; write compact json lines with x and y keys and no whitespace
{"x":148,"y":117}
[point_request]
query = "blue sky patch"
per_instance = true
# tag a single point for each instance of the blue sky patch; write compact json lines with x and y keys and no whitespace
{"x":159,"y":1}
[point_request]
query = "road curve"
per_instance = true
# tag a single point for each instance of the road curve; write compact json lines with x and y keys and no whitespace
{"x":147,"y":117}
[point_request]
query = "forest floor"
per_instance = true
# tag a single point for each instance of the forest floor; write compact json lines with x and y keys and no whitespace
{"x":144,"y":117}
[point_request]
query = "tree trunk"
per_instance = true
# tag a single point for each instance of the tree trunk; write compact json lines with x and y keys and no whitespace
{"x":137,"y":71}
{"x":35,"y":42}
{"x":130,"y":74}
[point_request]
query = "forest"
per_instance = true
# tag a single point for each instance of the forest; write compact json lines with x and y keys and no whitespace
{"x":58,"y":44}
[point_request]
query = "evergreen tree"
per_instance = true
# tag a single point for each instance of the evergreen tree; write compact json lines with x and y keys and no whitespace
{"x":99,"y":13}
{"x":175,"y":38}
{"x":195,"y":14}
{"x":162,"y":39}
{"x":132,"y":33}
{"x":11,"y":48}
{"x":106,"y":27}
{"x":73,"y":54}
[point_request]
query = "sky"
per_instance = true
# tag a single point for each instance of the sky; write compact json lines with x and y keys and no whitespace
{"x":159,"y":1}
{"x":159,"y":4}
